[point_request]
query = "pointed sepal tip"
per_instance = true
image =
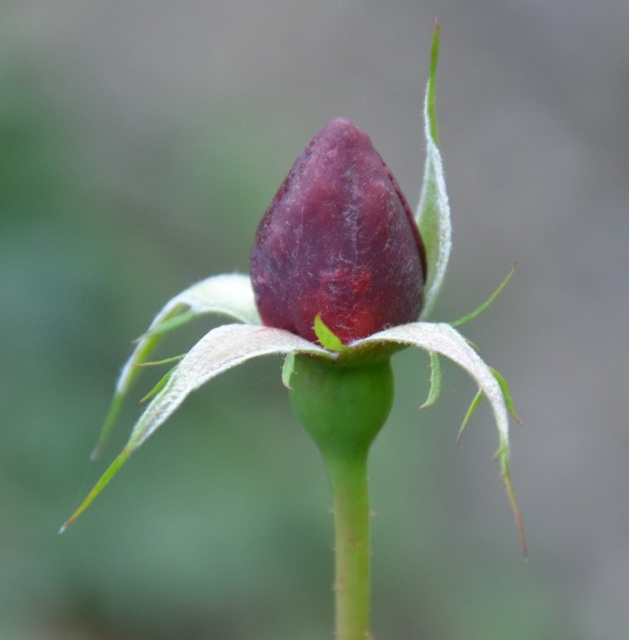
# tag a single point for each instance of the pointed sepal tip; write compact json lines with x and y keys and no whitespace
{"x":111,"y":471}
{"x":502,"y":455}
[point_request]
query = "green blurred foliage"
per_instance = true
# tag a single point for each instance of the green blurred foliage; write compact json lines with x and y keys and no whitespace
{"x":218,"y":528}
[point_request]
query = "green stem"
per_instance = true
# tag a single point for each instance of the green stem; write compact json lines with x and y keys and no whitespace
{"x":343,"y":408}
{"x":348,"y":478}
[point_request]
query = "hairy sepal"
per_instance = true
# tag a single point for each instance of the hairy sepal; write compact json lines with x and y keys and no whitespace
{"x":441,"y":338}
{"x":435,"y":381}
{"x":229,"y":294}
{"x":219,"y":350}
{"x":433,"y":210}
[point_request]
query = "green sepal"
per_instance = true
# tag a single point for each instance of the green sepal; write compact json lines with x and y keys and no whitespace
{"x":433,"y":210}
{"x":431,"y":90}
{"x":470,"y":412}
{"x":287,"y":370}
{"x":112,"y":470}
{"x":487,"y":302}
{"x":220,"y":349}
{"x":110,"y":420}
{"x":502,"y":455}
{"x":506,"y":392}
{"x":174,"y":322}
{"x":158,"y":363}
{"x":228,"y":294}
{"x":435,"y":381}
{"x":328,"y":339}
{"x":149,"y":341}
{"x":159,"y":386}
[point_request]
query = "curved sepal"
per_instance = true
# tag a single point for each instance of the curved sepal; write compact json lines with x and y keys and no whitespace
{"x":502,"y":455}
{"x":484,"y":305}
{"x":441,"y":338}
{"x":506,"y":392}
{"x":219,"y":350}
{"x":229,"y":294}
{"x":433,"y":211}
{"x":435,"y":381}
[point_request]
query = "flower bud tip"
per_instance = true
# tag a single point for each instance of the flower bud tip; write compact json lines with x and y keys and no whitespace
{"x":338,"y":239}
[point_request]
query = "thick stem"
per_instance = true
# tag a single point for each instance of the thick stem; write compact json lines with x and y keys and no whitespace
{"x":348,"y":478}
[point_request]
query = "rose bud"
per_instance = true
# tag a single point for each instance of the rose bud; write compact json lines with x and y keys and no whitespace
{"x":338,"y":239}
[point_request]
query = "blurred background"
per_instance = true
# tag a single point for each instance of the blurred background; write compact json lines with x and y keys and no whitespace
{"x":140,"y":143}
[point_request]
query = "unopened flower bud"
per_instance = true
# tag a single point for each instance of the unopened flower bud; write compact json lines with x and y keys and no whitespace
{"x":339,"y":240}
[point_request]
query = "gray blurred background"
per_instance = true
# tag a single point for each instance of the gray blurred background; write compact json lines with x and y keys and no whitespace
{"x":140,"y":143}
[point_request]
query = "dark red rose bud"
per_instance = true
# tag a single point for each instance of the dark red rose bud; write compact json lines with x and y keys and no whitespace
{"x":338,"y":239}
